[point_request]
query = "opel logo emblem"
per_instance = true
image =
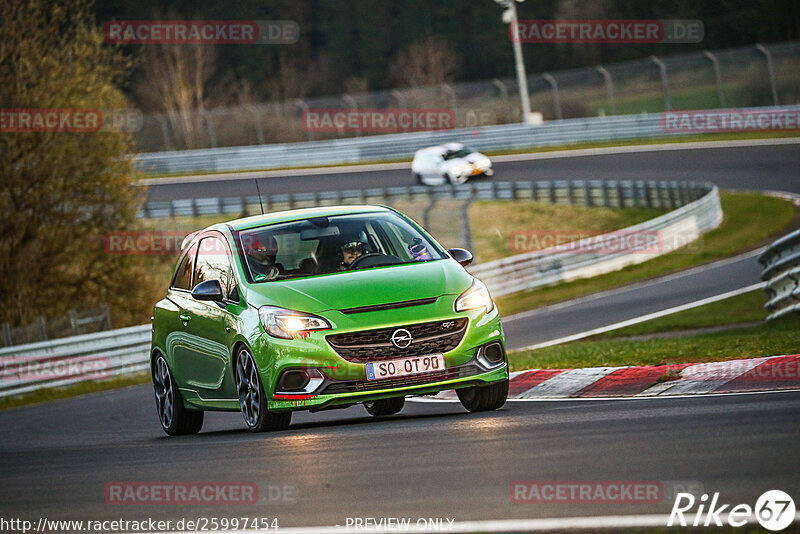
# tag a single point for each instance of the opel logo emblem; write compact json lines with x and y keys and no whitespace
{"x":401,"y":338}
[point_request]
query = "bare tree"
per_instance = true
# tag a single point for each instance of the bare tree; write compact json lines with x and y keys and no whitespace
{"x":428,"y":62}
{"x":175,"y":82}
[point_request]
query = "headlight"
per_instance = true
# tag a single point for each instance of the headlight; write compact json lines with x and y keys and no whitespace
{"x":456,"y":171}
{"x":484,"y":163}
{"x":288,"y":324}
{"x":477,"y":296}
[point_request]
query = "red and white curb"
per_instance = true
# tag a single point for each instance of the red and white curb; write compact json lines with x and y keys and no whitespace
{"x":757,"y":374}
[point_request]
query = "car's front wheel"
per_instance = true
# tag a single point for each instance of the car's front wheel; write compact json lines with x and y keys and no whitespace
{"x":252,"y":400}
{"x":385,"y":406}
{"x":175,"y":418}
{"x":479,"y":399}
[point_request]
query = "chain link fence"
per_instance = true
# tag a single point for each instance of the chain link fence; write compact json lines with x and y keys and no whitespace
{"x":767,"y":75}
{"x":72,"y":324}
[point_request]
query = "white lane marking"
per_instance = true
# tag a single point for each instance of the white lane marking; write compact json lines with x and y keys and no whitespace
{"x":502,"y":525}
{"x":643,"y":318}
{"x":568,"y":383}
{"x":322,"y":171}
{"x":635,"y":286}
{"x":662,"y":147}
{"x":631,"y":398}
{"x":702,"y":378}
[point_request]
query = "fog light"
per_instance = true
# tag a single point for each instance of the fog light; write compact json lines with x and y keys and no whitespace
{"x":293,"y":380}
{"x":491,"y":355}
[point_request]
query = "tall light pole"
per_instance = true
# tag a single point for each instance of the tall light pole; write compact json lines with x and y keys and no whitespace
{"x":510,"y":18}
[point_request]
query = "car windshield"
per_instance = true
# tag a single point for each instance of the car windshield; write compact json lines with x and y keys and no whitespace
{"x":460,"y":153}
{"x":324,"y":245}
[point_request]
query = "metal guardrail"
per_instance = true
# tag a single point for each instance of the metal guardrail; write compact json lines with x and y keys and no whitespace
{"x":402,"y":146}
{"x":68,"y":360}
{"x":695,"y":209}
{"x":546,"y":267}
{"x":781,"y":272}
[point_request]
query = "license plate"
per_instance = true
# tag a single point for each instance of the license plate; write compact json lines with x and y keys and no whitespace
{"x":405,"y":367}
{"x":476,"y":171}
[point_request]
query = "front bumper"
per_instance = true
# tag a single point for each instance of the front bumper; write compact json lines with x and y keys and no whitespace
{"x":345,"y":383}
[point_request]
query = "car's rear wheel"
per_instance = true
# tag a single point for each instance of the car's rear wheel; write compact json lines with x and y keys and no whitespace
{"x":385,"y":406}
{"x":252,"y":400}
{"x":457,"y":180}
{"x":479,"y":399}
{"x":419,"y":179}
{"x":175,"y":418}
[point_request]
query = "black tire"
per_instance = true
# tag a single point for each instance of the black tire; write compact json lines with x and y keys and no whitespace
{"x":480,"y":399}
{"x":252,"y":400}
{"x":175,"y":419}
{"x":418,"y":177}
{"x":385,"y":406}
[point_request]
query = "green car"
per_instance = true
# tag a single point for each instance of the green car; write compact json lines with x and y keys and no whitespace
{"x":318,"y":309}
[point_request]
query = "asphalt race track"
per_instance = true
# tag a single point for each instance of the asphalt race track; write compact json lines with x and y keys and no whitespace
{"x":431,"y":460}
{"x":772,"y":167}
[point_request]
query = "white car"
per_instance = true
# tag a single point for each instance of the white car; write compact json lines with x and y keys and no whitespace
{"x":451,"y":162}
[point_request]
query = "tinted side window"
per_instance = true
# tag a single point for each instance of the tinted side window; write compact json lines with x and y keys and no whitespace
{"x":212,"y":263}
{"x":183,"y":276}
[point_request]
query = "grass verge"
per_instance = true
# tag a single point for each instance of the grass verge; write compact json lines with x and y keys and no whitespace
{"x":745,"y":308}
{"x":73,"y":390}
{"x":767,"y":339}
{"x":751,"y":219}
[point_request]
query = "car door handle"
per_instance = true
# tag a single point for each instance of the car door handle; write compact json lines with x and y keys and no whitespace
{"x":185,"y":318}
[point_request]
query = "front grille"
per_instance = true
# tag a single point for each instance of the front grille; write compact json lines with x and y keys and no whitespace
{"x":350,"y":386}
{"x":436,"y":337}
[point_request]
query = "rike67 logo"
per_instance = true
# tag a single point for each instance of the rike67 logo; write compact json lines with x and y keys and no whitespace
{"x":774,"y":510}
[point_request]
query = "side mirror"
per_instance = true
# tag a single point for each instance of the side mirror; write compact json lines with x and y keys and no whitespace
{"x":208,"y":290}
{"x":462,"y":256}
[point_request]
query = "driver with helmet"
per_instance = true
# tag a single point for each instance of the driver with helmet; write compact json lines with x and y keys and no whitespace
{"x":261,"y":257}
{"x":351,"y":251}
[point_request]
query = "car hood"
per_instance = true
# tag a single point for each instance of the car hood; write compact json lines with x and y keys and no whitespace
{"x":351,"y":289}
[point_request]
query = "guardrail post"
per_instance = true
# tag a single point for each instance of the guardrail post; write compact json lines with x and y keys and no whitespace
{"x":353,"y":105}
{"x":771,"y":71}
{"x":466,"y":230}
{"x":556,"y":97}
{"x":609,"y":83}
{"x":717,"y":76}
{"x":73,"y":322}
{"x":193,"y":206}
{"x":570,"y":193}
{"x":504,"y":93}
{"x":427,"y":213}
{"x":165,"y":132}
{"x":647,"y":192}
{"x":620,"y":197}
{"x":212,"y":133}
{"x":604,"y":189}
{"x":673,"y":203}
{"x":446,"y":88}
{"x":662,"y":69}
{"x":551,"y":191}
{"x":41,"y":324}
{"x":587,"y":194}
{"x":8,"y":339}
{"x":259,"y":128}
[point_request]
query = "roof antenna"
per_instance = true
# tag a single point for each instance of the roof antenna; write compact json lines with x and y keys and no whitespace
{"x":260,"y":202}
